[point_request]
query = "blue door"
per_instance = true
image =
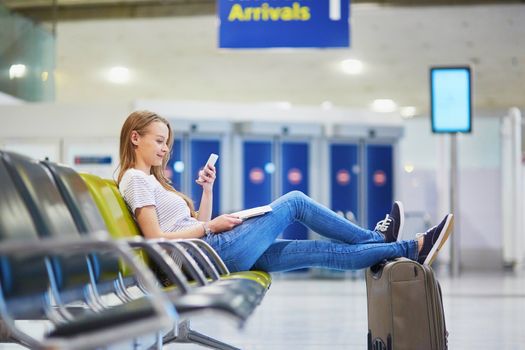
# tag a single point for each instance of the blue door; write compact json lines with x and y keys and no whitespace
{"x":294,"y":176}
{"x":380,"y":182}
{"x":344,"y":179}
{"x":258,"y":173}
{"x":175,"y":167}
{"x":200,"y":151}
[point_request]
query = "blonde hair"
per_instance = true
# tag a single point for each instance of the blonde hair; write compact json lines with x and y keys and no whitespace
{"x":139,"y":121}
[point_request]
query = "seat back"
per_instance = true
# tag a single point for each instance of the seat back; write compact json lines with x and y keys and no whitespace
{"x":127,"y":217}
{"x":50,"y":215}
{"x":86,"y":216}
{"x":116,"y":215}
{"x":23,"y":282}
{"x":76,"y":195}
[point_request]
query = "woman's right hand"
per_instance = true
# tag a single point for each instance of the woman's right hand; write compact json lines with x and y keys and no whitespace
{"x":223,"y":223}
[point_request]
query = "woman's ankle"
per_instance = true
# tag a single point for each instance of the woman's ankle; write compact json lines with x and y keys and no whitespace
{"x":420,"y":241}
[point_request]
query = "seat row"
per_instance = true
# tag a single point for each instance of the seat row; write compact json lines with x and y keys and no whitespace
{"x":73,"y":258}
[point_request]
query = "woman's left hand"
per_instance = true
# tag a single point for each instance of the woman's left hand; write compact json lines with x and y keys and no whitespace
{"x":207,"y":177}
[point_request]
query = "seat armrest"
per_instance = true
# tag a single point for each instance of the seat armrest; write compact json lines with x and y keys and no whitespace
{"x":199,"y":256}
{"x":202,"y":259}
{"x":177,"y":251}
{"x":163,"y":260}
{"x":219,"y":264}
{"x":163,"y":312}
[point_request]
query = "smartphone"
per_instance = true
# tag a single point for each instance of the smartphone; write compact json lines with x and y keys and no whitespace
{"x":212,"y":159}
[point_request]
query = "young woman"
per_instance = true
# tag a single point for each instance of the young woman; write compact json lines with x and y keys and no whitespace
{"x":161,"y":211}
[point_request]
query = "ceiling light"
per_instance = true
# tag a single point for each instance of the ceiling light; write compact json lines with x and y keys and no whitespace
{"x":384,"y":105}
{"x":408,"y":112}
{"x":352,"y":66}
{"x":118,"y":75}
{"x":178,"y":166}
{"x":17,"y":71}
{"x":284,"y":105}
{"x":409,"y":168}
{"x":327,"y":105}
{"x":269,"y":168}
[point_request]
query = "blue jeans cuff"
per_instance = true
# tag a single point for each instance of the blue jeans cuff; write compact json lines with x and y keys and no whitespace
{"x":412,"y":250}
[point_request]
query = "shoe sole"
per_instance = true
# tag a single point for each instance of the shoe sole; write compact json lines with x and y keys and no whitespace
{"x":401,"y":220}
{"x":443,"y":236}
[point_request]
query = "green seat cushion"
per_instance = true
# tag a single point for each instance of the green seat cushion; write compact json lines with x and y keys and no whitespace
{"x":260,"y":277}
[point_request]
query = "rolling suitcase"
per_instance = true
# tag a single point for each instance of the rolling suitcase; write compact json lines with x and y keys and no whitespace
{"x":405,"y":307}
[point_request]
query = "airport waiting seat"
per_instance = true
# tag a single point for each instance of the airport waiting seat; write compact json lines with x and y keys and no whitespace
{"x":44,"y":198}
{"x":36,"y":179}
{"x":237,"y":298}
{"x":30,"y":267}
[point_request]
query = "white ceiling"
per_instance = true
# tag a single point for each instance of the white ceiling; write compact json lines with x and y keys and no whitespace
{"x":177,"y":59}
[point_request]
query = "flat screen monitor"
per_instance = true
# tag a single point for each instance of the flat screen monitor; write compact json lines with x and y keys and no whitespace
{"x":451,"y":99}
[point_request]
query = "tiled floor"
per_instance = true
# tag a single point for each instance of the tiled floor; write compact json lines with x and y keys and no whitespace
{"x":483,"y":311}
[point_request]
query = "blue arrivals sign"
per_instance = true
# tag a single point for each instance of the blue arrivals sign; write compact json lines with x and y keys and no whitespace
{"x":284,"y":23}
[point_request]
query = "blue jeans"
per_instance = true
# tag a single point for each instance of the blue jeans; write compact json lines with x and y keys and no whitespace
{"x":254,"y":243}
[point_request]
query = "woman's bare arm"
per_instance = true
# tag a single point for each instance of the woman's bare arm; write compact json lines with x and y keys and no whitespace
{"x":149,"y":225}
{"x":205,"y":207}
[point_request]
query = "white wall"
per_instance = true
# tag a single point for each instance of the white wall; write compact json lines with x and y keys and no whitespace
{"x":61,"y":132}
{"x":67,"y":120}
{"x":478,"y":224}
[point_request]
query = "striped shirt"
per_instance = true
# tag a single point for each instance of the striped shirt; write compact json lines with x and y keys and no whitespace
{"x":140,"y":190}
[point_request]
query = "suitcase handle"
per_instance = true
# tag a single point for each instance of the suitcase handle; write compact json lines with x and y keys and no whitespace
{"x":379,"y":344}
{"x":377,"y":269}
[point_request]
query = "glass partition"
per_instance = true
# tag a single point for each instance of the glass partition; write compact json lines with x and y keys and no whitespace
{"x":27,"y":58}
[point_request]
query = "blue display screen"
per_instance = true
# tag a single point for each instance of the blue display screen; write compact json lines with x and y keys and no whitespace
{"x":450,"y":91}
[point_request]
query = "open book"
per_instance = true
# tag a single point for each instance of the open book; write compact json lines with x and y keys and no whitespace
{"x":250,"y":213}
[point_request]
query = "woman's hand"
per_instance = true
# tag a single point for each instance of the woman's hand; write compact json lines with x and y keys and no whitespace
{"x":207,"y":177}
{"x":223,"y":223}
